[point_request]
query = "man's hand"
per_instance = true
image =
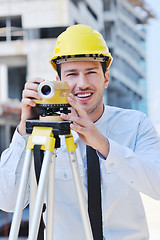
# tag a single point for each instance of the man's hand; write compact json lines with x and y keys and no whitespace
{"x":29,"y":110}
{"x":85,"y":128}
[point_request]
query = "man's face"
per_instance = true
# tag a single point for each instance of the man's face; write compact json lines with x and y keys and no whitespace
{"x":87,"y":82}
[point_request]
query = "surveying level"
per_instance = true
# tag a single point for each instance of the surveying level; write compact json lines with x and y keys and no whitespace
{"x":45,"y":135}
{"x":54,"y":98}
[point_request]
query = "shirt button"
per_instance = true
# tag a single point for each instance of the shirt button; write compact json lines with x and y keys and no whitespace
{"x":65,"y":175}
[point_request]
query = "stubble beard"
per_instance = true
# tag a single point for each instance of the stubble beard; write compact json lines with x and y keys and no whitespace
{"x":95,"y":107}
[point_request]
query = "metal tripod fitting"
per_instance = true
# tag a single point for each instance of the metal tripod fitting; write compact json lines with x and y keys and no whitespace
{"x":43,"y":136}
{"x":70,"y":144}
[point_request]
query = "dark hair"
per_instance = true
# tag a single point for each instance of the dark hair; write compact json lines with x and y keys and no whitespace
{"x":59,"y":70}
{"x":103,"y":64}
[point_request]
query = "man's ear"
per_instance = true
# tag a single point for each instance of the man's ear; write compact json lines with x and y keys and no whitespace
{"x":57,"y":78}
{"x":106,"y":78}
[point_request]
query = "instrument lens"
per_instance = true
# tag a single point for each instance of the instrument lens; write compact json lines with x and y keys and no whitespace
{"x":46,"y":90}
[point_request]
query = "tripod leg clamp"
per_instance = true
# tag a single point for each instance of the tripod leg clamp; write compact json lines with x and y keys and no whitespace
{"x":70,"y":144}
{"x":42,"y":136}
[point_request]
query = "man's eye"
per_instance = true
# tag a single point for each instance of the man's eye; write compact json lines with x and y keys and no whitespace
{"x":71,"y":74}
{"x":91,"y":72}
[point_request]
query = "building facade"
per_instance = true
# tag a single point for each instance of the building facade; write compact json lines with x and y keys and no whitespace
{"x":28,"y":30}
{"x":125,"y":33}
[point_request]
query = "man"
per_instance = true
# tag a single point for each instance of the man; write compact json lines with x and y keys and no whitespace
{"x":125,"y":141}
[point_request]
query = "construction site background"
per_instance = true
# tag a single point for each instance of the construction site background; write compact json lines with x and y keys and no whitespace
{"x":28,"y":30}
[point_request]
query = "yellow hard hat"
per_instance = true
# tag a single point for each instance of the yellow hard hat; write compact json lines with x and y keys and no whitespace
{"x":80,"y":42}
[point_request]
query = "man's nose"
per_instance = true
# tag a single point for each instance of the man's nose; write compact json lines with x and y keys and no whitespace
{"x":83,"y":82}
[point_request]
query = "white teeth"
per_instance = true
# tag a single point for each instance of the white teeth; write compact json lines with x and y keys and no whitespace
{"x":84,"y":95}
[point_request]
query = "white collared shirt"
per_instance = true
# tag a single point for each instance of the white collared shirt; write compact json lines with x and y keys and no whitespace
{"x":132,"y":166}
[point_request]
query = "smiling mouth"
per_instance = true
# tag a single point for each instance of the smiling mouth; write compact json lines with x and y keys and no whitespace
{"x":83,"y":95}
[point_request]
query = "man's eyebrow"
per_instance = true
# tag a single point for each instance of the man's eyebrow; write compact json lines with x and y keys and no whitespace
{"x":92,"y":68}
{"x":71,"y":70}
{"x":75,"y":69}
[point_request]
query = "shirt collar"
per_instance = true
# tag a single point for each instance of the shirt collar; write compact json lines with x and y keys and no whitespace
{"x":103,"y":118}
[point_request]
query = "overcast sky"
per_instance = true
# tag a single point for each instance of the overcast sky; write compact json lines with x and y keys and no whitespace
{"x":153,"y":62}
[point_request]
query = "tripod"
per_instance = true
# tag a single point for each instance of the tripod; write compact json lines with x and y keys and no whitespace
{"x":46,"y":134}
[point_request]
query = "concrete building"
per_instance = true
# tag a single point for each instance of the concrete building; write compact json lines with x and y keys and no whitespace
{"x":28,"y":30}
{"x":125,"y":33}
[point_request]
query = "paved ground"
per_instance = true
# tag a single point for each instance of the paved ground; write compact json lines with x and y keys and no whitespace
{"x":152,"y":208}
